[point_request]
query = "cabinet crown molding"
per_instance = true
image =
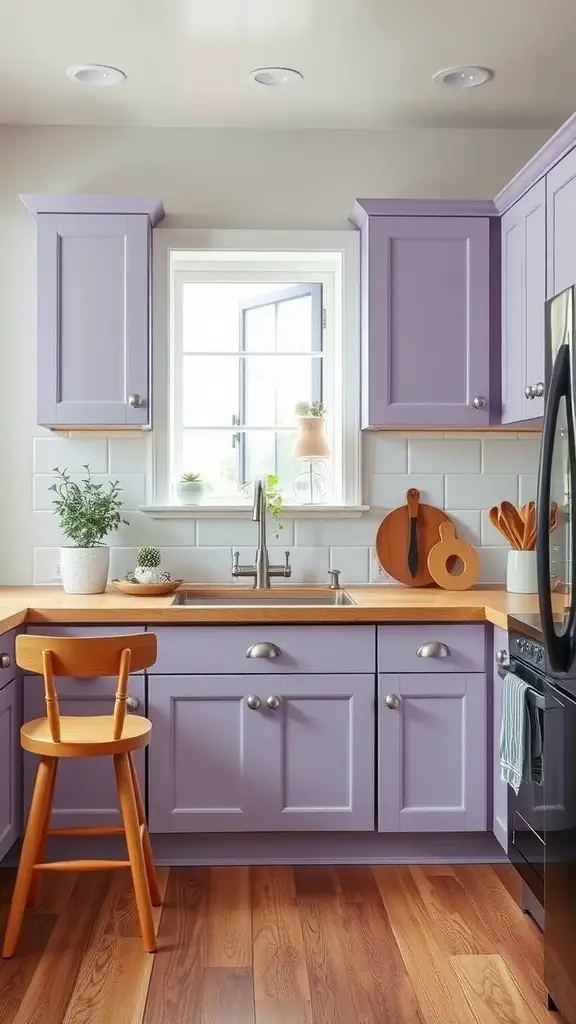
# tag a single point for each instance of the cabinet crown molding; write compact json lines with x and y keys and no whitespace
{"x":364,"y":208}
{"x":77,"y":204}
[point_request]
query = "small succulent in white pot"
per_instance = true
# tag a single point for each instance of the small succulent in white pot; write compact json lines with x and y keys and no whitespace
{"x":148,"y":566}
{"x":190,"y":489}
{"x":88,"y":512}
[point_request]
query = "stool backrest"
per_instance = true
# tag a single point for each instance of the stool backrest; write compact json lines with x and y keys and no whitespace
{"x":85,"y":657}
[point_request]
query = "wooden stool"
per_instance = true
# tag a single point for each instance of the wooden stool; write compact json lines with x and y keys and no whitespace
{"x":54,"y":737}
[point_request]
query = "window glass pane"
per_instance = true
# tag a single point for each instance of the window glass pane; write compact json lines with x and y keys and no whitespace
{"x":211,"y":453}
{"x":269,"y":452}
{"x":211,"y":313}
{"x":210,"y":390}
{"x":260,"y":329}
{"x":295,"y":327}
{"x":273,"y":386}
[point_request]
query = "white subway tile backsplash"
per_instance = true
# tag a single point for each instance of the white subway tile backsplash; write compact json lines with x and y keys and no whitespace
{"x":45,"y":566}
{"x":214,"y":532}
{"x":70,"y":453}
{"x":528,"y":487}
{"x":199,"y":565}
{"x":128,"y":455}
{"x":133,"y":489}
{"x":353,"y":562}
{"x":467,"y":525}
{"x":493,"y":564}
{"x":479,"y":491}
{"x":435,"y":455}
{"x":310,"y":532}
{"x":384,"y":453}
{"x":500,"y":456}
{"x":490,"y":536}
{"x":389,"y":490}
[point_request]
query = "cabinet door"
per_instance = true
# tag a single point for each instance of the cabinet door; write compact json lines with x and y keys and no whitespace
{"x":93,"y":319}
{"x":500,"y":788}
{"x":10,"y":767}
{"x":432,"y":772}
{"x":318,"y":752}
{"x":523,"y":297}
{"x":561,"y":224}
{"x":85,"y":787}
{"x":426,"y":330}
{"x":206,"y":770}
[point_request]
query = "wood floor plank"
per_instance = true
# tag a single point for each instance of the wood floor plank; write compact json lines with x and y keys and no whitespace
{"x":16,"y":974}
{"x":510,"y":879}
{"x":280,"y":974}
{"x":439,"y":995}
{"x":227,"y":996}
{"x":491,"y":990}
{"x":453,"y":919}
{"x":175,"y":993}
{"x":48,"y":995}
{"x":284,"y":1013}
{"x":229,"y":938}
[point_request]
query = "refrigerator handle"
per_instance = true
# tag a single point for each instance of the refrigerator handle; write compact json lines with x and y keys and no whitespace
{"x":558,"y":646}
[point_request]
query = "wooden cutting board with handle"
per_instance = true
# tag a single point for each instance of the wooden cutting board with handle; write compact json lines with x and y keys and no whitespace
{"x":393,"y":539}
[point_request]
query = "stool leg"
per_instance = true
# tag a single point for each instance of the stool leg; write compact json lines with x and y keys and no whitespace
{"x":34,"y":890}
{"x":30,"y":846}
{"x":155,"y":894}
{"x":135,"y":850}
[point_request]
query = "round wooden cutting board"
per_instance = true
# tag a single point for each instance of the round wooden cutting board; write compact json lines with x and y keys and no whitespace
{"x":393,"y":541}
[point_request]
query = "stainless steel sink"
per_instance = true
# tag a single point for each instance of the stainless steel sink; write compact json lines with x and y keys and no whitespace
{"x":276,"y":599}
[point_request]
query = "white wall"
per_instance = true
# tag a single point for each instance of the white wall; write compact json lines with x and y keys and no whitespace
{"x":236,"y":178}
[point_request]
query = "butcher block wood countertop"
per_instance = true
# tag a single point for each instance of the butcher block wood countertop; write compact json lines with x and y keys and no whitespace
{"x":373,"y":604}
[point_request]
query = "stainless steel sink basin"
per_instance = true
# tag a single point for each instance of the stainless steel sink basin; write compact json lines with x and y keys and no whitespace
{"x":277,"y":599}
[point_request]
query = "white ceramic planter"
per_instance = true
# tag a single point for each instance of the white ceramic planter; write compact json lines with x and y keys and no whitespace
{"x":521,"y":574}
{"x":144,"y":575}
{"x":84,"y":570}
{"x":190,"y":493}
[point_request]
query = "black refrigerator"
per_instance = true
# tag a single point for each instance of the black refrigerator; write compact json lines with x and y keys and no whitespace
{"x":556,"y":557}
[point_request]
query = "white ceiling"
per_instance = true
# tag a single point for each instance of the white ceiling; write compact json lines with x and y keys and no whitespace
{"x":366,"y":63}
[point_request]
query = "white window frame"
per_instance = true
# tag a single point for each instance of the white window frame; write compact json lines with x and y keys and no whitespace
{"x":321,"y":251}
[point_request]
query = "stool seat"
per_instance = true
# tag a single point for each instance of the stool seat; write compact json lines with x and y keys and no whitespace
{"x":85,"y":737}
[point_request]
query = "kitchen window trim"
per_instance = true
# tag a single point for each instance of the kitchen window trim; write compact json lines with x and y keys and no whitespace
{"x":167,"y":242}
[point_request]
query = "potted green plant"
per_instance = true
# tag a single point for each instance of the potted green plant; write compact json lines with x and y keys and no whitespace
{"x":190,"y":489}
{"x":148,"y":566}
{"x":88,"y":512}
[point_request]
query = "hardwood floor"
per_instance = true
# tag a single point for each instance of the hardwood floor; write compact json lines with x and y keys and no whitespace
{"x":279,"y":945}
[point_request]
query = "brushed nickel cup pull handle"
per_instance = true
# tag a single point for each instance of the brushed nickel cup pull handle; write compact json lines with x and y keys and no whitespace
{"x":132,"y":703}
{"x":433,"y":649}
{"x":253,"y":702}
{"x":392,"y":701}
{"x":263,"y":649}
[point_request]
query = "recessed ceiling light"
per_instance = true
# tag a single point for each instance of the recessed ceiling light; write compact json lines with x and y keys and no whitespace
{"x":98,"y":75}
{"x":466,"y":76}
{"x":276,"y":76}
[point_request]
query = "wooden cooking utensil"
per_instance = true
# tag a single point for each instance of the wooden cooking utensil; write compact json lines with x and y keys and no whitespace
{"x":512,"y":518}
{"x":499,"y":523}
{"x":393,"y":542}
{"x":440,"y":555}
{"x":528,"y":515}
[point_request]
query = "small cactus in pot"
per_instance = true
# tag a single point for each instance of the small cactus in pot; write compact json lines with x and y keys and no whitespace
{"x":148,"y":566}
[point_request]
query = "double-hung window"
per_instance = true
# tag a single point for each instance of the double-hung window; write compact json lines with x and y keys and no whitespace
{"x":251,"y":334}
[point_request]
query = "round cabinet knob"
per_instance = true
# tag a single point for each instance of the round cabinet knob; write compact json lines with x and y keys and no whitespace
{"x":433,"y":649}
{"x":263,"y":650}
{"x":132,"y":703}
{"x":253,"y":702}
{"x":136,"y":401}
{"x":5,"y":661}
{"x":392,"y":701}
{"x":274,"y":702}
{"x":479,"y":402}
{"x":529,"y":391}
{"x":538,"y":390}
{"x":501,"y":657}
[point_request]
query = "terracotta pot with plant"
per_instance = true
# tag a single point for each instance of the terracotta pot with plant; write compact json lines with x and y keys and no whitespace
{"x":88,"y":512}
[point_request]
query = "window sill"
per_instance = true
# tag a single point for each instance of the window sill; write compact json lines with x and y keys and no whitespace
{"x":245,"y":511}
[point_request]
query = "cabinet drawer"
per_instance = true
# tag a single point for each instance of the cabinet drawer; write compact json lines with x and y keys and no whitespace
{"x":84,"y":631}
{"x":398,"y":648}
{"x":194,"y":650}
{"x":7,"y":641}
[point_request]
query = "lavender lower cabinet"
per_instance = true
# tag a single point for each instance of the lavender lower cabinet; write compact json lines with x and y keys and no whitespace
{"x":10,"y":766}
{"x":432,"y":769}
{"x":265,"y":753}
{"x":85,"y":789}
{"x":499,"y":788}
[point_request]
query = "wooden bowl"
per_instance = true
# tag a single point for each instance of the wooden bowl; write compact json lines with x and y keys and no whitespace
{"x":147,"y":589}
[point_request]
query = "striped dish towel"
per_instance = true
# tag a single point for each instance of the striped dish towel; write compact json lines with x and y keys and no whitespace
{"x":520,"y":735}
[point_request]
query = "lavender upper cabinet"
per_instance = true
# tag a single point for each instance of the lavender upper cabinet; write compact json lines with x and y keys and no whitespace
{"x":523,"y":295}
{"x":432,"y":769}
{"x":500,"y":788}
{"x":261,"y":753}
{"x":93,"y":309}
{"x":561,"y":225}
{"x":425,"y":320}
{"x":10,"y":766}
{"x":85,"y":788}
